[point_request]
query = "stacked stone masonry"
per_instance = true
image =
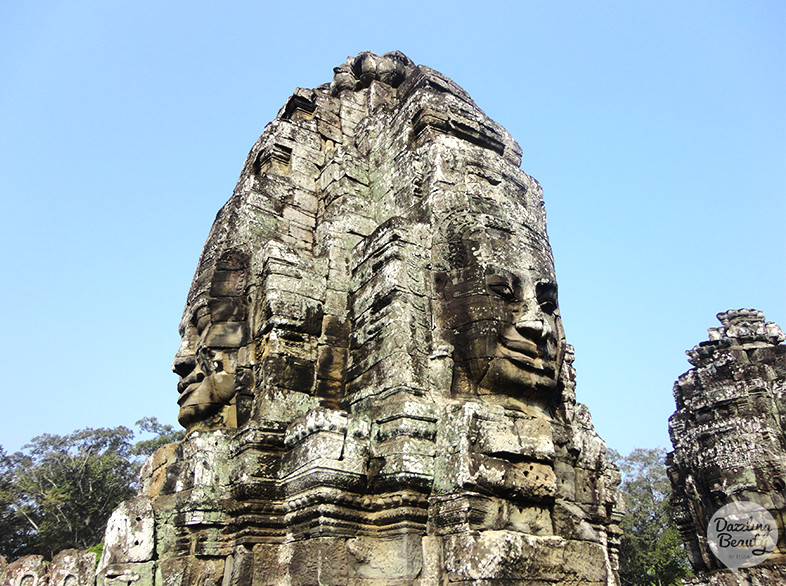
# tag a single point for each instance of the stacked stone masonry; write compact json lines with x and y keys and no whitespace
{"x":373,"y":372}
{"x":729,"y":440}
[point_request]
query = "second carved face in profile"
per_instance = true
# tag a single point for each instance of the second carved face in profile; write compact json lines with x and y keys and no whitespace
{"x":214,"y":331}
{"x":207,"y":372}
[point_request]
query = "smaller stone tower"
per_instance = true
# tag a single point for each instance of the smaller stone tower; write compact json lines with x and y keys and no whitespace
{"x":729,"y":440}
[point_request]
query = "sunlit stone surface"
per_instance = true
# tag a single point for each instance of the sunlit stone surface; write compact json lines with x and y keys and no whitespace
{"x":373,"y":369}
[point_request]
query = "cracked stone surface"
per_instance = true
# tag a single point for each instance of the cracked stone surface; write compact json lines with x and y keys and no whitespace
{"x":373,"y":371}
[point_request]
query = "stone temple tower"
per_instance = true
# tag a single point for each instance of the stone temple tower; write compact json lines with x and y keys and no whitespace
{"x":373,"y":371}
{"x":729,"y":437}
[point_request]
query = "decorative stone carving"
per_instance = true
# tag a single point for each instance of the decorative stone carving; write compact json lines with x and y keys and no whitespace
{"x":729,"y":439}
{"x":29,"y":570}
{"x":70,"y":567}
{"x":374,"y":375}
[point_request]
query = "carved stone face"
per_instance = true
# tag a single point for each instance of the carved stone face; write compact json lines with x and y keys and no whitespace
{"x":500,"y":304}
{"x":213,"y":332}
{"x":206,"y":371}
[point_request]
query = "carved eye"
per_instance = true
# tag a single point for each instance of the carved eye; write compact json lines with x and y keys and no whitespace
{"x":546,"y":294}
{"x":218,"y":365}
{"x":206,"y":357}
{"x":503,"y":290}
{"x":548,"y":306}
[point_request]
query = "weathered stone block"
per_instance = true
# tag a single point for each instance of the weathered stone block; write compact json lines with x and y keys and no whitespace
{"x":72,"y":567}
{"x":29,"y":570}
{"x":397,"y":558}
{"x":322,"y":560}
{"x":228,"y":334}
{"x":228,"y":309}
{"x":185,"y":571}
{"x":322,"y":445}
{"x":130,"y":533}
{"x":122,"y":574}
{"x":507,"y":555}
{"x":268,"y":568}
{"x":228,"y":283}
{"x":528,"y":437}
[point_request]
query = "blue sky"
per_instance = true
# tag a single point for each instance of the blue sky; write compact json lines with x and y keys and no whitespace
{"x":657,"y":129}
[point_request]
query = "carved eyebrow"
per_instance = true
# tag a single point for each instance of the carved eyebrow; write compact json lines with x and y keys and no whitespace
{"x":491,"y":270}
{"x":501,"y":276}
{"x":496,"y":278}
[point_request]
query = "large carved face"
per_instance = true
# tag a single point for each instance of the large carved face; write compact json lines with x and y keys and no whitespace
{"x":501,"y":309}
{"x":213,"y":332}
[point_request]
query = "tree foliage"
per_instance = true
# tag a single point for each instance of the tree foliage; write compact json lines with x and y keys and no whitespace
{"x":162,"y":435}
{"x":651,"y":552}
{"x":15,"y":532}
{"x":59,"y":491}
{"x":69,"y":485}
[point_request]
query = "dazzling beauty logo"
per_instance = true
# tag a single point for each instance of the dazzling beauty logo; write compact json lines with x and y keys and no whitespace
{"x":742,"y":534}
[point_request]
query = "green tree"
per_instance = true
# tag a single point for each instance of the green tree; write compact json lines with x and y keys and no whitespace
{"x":162,"y":435}
{"x":67,"y":486}
{"x":59,"y":491}
{"x":15,"y":531}
{"x":651,"y":552}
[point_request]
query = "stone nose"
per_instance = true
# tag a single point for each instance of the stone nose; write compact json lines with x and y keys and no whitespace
{"x":184,"y":364}
{"x":533,"y":327}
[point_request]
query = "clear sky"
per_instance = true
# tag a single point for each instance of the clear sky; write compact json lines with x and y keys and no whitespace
{"x":657,"y":129}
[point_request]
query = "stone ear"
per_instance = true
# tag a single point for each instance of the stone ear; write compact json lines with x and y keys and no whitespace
{"x":441,"y":283}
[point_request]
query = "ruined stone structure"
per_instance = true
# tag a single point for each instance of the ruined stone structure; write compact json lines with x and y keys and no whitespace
{"x":373,"y":371}
{"x":729,"y":439}
{"x":70,"y":567}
